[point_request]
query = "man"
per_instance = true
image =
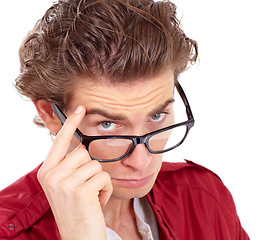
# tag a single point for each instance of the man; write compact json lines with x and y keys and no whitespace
{"x":102,"y":76}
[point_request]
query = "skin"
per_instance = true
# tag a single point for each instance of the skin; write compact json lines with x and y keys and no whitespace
{"x":86,"y":195}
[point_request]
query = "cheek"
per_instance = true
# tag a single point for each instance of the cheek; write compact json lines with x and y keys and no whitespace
{"x":112,"y":168}
{"x":156,"y":162}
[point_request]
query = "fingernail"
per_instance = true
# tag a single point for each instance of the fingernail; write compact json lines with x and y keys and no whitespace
{"x":79,"y":109}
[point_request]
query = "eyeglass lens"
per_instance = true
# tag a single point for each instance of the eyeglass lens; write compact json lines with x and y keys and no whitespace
{"x":108,"y":149}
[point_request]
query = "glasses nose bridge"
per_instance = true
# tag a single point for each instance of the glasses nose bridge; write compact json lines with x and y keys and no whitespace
{"x":141,"y":140}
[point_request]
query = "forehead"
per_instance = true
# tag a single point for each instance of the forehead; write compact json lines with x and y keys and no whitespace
{"x":139,"y":95}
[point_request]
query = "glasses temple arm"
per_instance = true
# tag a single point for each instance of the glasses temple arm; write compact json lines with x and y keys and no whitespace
{"x":63,"y":118}
{"x":184,"y":98}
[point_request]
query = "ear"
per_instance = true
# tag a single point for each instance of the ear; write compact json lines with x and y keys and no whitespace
{"x":46,"y":113}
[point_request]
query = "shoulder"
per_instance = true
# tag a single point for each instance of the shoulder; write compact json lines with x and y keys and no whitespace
{"x":193,"y":174}
{"x":186,"y":168}
{"x":195,"y":180}
{"x":189,"y":198}
{"x":197,"y":192}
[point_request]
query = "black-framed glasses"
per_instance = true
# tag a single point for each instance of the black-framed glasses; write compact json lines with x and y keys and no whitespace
{"x":116,"y":147}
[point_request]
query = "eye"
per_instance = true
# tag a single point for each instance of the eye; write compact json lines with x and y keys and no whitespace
{"x":157,"y":117}
{"x":107,"y":126}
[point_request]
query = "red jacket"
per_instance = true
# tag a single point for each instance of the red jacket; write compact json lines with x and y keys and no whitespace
{"x":189,"y":201}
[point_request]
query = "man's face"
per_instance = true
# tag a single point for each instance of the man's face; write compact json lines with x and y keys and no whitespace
{"x":127,"y":109}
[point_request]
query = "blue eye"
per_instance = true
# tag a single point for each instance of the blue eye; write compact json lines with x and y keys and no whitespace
{"x":107,"y":125}
{"x":158,"y":117}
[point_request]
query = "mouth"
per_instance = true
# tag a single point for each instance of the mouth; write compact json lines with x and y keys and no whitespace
{"x":134,"y":183}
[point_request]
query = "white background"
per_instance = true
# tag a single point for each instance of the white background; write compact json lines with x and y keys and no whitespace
{"x":234,"y":95}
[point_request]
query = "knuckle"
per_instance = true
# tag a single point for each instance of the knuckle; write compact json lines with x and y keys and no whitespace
{"x":105,"y":176}
{"x":82,"y":154}
{"x":51,"y":180}
{"x":103,"y":179}
{"x":95,"y":165}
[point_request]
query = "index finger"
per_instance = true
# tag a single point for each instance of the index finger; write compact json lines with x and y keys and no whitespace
{"x":63,"y":139}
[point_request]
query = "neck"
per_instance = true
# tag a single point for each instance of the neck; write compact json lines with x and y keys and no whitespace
{"x":117,"y":212}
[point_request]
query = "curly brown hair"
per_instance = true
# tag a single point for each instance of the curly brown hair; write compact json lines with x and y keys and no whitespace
{"x":120,"y":40}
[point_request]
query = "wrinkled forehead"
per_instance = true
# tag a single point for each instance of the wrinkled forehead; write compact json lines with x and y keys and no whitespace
{"x":142,"y":94}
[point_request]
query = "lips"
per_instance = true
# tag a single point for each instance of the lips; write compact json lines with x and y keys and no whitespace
{"x":134,"y":183}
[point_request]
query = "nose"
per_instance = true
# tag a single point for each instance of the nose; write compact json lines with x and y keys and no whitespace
{"x":139,"y":159}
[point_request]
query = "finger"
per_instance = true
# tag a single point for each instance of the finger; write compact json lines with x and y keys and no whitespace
{"x":74,"y":160}
{"x":77,"y":178}
{"x":63,"y":139}
{"x":85,"y":172}
{"x":69,"y":165}
{"x":101,"y":184}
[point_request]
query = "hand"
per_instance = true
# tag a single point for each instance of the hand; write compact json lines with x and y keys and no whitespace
{"x":75,"y":186}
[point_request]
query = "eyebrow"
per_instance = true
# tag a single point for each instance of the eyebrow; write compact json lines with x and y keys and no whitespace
{"x":162,"y":107}
{"x":106,"y":114}
{"x":120,"y":117}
